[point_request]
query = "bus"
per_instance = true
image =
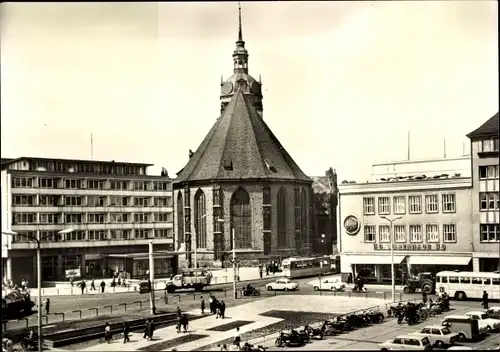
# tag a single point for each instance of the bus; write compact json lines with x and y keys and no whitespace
{"x":468,"y":284}
{"x":296,"y":267}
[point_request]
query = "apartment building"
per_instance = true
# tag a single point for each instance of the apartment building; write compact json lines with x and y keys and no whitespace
{"x":485,"y":195}
{"x":431,"y":226}
{"x":113,"y":209}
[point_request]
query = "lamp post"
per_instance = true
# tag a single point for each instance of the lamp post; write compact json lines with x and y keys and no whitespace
{"x":195,"y":240}
{"x":152,"y":308}
{"x":234,"y":257}
{"x":39,"y":274}
{"x":393,"y":277}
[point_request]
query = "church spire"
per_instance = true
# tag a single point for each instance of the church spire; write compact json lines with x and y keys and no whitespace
{"x":240,"y":35}
{"x":240,"y":54}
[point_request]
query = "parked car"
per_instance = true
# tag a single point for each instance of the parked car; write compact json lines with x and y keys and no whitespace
{"x":407,"y":342}
{"x":494,"y":312}
{"x":282,"y":284}
{"x":484,"y":320}
{"x":439,"y":335}
{"x":329,"y":284}
{"x":459,"y":348}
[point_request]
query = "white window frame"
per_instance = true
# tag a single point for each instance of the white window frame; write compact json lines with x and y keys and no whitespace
{"x":487,"y":231}
{"x":49,"y":218}
{"x":384,"y":233}
{"x":488,"y":201}
{"x":415,"y":233}
{"x":384,"y":205}
{"x":490,"y":171}
{"x":94,"y":218}
{"x":431,"y":203}
{"x":432,"y":233}
{"x":372,"y":234}
{"x":400,"y":236}
{"x":415,"y":204}
{"x":369,"y":205}
{"x":72,"y":218}
{"x":449,"y":233}
{"x":489,"y":145}
{"x":399,"y":205}
{"x":446,"y":202}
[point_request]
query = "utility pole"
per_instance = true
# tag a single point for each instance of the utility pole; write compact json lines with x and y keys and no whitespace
{"x":234,"y":265}
{"x":393,"y":276}
{"x":152,"y":309}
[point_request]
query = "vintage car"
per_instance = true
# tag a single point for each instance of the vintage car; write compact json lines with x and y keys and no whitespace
{"x":407,"y":342}
{"x":329,"y":284}
{"x":438,"y":335}
{"x":493,"y":312}
{"x":484,"y":320}
{"x":282,"y":284}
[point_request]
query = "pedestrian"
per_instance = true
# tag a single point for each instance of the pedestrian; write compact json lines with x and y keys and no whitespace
{"x":82,"y":286}
{"x":126,"y":331}
{"x":107,"y":332}
{"x":184,"y":322}
{"x":149,"y":329}
{"x":71,"y":282}
{"x":349,"y":278}
{"x":23,"y":283}
{"x":237,"y":338}
{"x":119,"y":281}
{"x":179,"y":323}
{"x":485,"y":300}
{"x":47,"y":306}
{"x":92,"y":285}
{"x":103,"y":284}
{"x":260,"y":270}
{"x":424,"y":297}
{"x":178,"y":311}
{"x":202,"y":306}
{"x":211,"y":303}
{"x":222,"y":309}
{"x":267,"y":270}
{"x":217,"y":307}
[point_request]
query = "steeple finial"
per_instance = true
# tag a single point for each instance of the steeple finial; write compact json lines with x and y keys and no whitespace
{"x":240,"y":34}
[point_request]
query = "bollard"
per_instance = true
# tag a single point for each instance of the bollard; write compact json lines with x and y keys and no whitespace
{"x":194,"y":296}
{"x":166,"y":299}
{"x":225,"y":293}
{"x":123,"y":304}
{"x":400,"y":295}
{"x":366,"y":294}
{"x":75,"y":311}
{"x":96,"y":311}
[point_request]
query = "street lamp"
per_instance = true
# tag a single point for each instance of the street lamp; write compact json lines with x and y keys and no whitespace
{"x":39,"y":274}
{"x":234,"y":257}
{"x":392,"y":255}
{"x":195,"y":240}
{"x":152,"y":308}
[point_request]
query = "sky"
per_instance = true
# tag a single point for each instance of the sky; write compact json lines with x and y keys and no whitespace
{"x":343,"y":82}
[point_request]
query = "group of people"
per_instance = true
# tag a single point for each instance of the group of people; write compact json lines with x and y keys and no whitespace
{"x":148,"y":331}
{"x":182,"y":321}
{"x":82,"y":284}
{"x":10,"y":285}
{"x":216,"y":307}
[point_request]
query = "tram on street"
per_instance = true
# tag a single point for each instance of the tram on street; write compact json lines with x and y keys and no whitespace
{"x":296,"y":267}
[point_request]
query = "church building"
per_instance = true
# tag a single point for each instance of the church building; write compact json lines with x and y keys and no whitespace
{"x":241,"y":183}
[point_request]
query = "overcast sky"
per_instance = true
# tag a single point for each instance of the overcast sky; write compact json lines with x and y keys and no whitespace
{"x":343,"y":82}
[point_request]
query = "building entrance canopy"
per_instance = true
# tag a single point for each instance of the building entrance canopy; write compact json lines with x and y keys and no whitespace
{"x":439,"y":260}
{"x":376,"y":259}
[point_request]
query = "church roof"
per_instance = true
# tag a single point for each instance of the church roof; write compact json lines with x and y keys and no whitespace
{"x":240,"y":146}
{"x":488,"y":129}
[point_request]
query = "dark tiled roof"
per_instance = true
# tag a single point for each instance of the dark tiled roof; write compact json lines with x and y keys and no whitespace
{"x":487,"y":129}
{"x":240,"y":138}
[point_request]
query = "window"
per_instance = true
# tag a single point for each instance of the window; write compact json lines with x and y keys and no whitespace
{"x":488,"y":172}
{"x":489,"y":145}
{"x":24,"y":182}
{"x":49,"y":201}
{"x":415,"y":233}
{"x":96,"y":201}
{"x":118,"y":185}
{"x":400,"y":233}
{"x":415,"y":204}
{"x":95,"y":184}
{"x":449,"y":203}
{"x":489,"y":232}
{"x":23,"y":218}
{"x":50,"y":236}
{"x":139,"y":186}
{"x":47,"y":183}
{"x":73,"y":184}
{"x":164,"y":233}
{"x":282,"y":208}
{"x":160,"y":201}
{"x":399,"y":205}
{"x":488,"y":201}
{"x":453,"y":280}
{"x":384,"y":205}
{"x":18,"y":200}
{"x":241,"y":218}
{"x":119,"y":217}
{"x":141,"y":201}
{"x":431,"y":203}
{"x":200,"y":219}
{"x":120,"y":234}
{"x":449,"y":233}
{"x":432,"y":233}
{"x":141,"y":218}
{"x":477,"y":280}
{"x":369,"y":233}
{"x":465,"y":280}
{"x":161,"y":186}
{"x":125,"y":201}
{"x":95,"y":218}
{"x":141,"y":233}
{"x":49,"y":218}
{"x":384,"y":233}
{"x":97,"y":235}
{"x":164,"y":217}
{"x":369,"y":205}
{"x":72,"y":201}
{"x":76,"y":236}
{"x":71,"y":218}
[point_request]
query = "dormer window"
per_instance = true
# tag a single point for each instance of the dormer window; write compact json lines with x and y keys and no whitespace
{"x":228,"y":164}
{"x":269,"y":166}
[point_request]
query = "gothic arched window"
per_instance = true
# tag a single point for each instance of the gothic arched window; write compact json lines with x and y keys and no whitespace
{"x":241,"y":219}
{"x":303,"y":216}
{"x":180,"y":217}
{"x":200,"y":219}
{"x":281,"y":210}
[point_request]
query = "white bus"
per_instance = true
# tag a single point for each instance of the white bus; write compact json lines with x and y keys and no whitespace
{"x":302,"y":267}
{"x":468,"y":284}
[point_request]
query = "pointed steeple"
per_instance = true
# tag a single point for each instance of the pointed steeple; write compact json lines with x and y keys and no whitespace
{"x":240,"y":54}
{"x":240,"y":34}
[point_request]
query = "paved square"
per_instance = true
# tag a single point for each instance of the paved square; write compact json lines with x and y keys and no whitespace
{"x":231,"y":325}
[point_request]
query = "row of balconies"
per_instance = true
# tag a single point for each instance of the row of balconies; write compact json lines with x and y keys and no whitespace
{"x":90,"y":218}
{"x":26,"y":200}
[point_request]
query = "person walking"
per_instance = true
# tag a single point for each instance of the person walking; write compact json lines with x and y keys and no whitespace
{"x":267,"y":270}
{"x":485,"y":300}
{"x":222,"y":309}
{"x":71,"y":281}
{"x":82,"y":286}
{"x":237,"y":338}
{"x":103,"y":284}
{"x":126,"y":331}
{"x":107,"y":332}
{"x":178,"y":311}
{"x":184,"y":322}
{"x":202,"y":306}
{"x":260,"y":270}
{"x":211,"y":303}
{"x":47,"y":306}
{"x":424,"y":297}
{"x":92,"y":285}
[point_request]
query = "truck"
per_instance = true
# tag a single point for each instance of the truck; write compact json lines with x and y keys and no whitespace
{"x":16,"y":302}
{"x":191,"y":279}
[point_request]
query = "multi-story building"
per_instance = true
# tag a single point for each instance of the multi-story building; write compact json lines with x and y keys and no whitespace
{"x":485,"y":196}
{"x":112,"y":208}
{"x":432,"y":230}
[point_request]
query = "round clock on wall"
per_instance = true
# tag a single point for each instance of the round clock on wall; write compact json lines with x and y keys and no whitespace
{"x":227,"y":88}
{"x":351,"y":225}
